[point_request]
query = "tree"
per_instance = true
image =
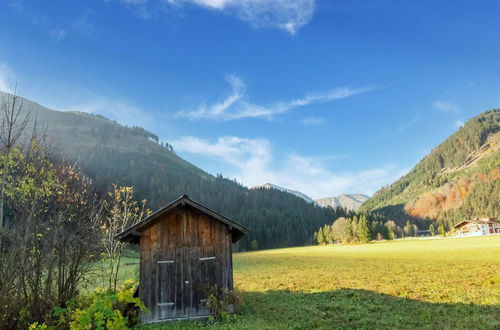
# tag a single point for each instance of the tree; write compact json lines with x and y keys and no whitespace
{"x":254,"y":245}
{"x":341,"y":230}
{"x":50,"y":240}
{"x":12,"y":127}
{"x":123,"y":211}
{"x":442,"y":230}
{"x":364,"y":232}
{"x":432,"y":230}
{"x":408,"y":229}
{"x":391,"y":229}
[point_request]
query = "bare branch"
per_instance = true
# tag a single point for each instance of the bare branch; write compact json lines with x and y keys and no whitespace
{"x":14,"y":119}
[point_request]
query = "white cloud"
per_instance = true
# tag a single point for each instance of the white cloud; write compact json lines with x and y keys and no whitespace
{"x":312,"y":121}
{"x":446,"y":106}
{"x":235,"y":106}
{"x":288,"y":15}
{"x":253,"y":163}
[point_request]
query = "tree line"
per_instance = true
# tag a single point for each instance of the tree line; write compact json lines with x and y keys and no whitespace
{"x":364,"y":228}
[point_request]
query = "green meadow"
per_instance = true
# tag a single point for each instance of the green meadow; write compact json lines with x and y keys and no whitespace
{"x":406,"y":284}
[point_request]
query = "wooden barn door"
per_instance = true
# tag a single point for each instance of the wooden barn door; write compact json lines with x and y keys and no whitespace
{"x":167,"y":302}
{"x":178,"y":294}
{"x":204,"y":272}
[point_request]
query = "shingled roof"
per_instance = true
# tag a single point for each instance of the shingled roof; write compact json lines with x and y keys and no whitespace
{"x":132,"y":233}
{"x":477,"y":221}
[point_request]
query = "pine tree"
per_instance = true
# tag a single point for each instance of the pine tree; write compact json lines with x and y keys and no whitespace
{"x":442,"y":231}
{"x":364,"y":232}
{"x":320,"y":237}
{"x":432,"y":230}
{"x":390,"y":234}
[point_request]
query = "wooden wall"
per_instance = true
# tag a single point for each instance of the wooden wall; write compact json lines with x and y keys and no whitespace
{"x":182,"y":253}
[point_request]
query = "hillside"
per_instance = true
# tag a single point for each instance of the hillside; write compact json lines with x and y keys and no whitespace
{"x":111,"y":153}
{"x":459,"y":179}
{"x":348,"y":201}
{"x":289,"y":191}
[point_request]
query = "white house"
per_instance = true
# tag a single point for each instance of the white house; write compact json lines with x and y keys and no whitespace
{"x":478,"y":227}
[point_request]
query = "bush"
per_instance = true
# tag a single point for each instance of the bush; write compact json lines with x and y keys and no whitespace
{"x":107,"y":309}
{"x":221,"y":303}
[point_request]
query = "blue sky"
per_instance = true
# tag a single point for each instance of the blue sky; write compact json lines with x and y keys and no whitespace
{"x":327,"y":97}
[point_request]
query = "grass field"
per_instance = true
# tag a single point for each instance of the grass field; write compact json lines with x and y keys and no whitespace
{"x":445,"y":283}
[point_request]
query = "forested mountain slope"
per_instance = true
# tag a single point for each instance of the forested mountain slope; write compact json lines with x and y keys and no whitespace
{"x":290,"y":191}
{"x":111,"y":153}
{"x":459,"y":179}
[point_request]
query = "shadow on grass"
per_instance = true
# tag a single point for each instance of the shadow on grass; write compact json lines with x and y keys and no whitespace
{"x":349,"y":308}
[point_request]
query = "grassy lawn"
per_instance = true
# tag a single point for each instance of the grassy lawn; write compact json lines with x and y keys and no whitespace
{"x":448,"y":283}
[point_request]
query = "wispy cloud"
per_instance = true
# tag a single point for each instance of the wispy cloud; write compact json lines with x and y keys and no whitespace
{"x":7,"y":80}
{"x":286,"y":15}
{"x":83,"y":25}
{"x":312,"y":121}
{"x":115,"y":107}
{"x":253,"y":162}
{"x":58,"y":34}
{"x":235,"y":106}
{"x":446,"y":106}
{"x":121,"y":110}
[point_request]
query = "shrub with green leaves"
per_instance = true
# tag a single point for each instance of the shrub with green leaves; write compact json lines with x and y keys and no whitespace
{"x":107,"y":309}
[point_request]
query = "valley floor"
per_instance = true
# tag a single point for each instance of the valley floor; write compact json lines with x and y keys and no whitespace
{"x":448,"y":283}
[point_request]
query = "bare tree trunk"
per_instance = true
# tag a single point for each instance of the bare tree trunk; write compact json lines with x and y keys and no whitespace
{"x":11,"y":129}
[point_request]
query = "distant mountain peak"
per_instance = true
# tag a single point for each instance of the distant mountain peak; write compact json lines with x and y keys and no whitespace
{"x":347,"y":201}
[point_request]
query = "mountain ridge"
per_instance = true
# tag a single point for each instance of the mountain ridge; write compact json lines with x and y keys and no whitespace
{"x":458,"y":179}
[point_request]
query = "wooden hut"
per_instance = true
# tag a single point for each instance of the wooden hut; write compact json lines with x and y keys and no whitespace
{"x":185,"y":249}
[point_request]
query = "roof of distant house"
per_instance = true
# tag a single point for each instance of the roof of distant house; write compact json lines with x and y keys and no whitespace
{"x":479,"y":221}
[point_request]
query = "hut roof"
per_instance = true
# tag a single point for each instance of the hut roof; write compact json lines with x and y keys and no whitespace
{"x":132,"y":233}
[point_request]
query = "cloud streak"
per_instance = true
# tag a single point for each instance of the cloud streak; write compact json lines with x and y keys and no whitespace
{"x":58,"y":34}
{"x":446,"y":106}
{"x":253,"y":163}
{"x":235,"y":106}
{"x":287,"y":15}
{"x":313,"y":121}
